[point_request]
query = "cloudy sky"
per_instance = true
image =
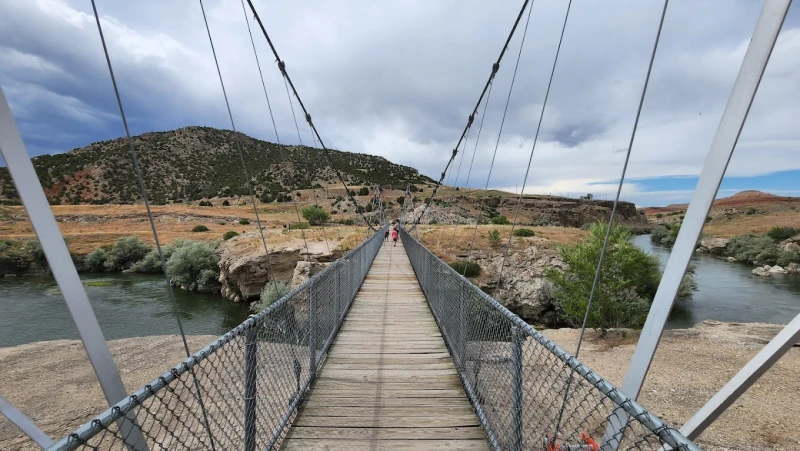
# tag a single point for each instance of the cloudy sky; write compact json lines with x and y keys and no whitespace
{"x":398,"y":79}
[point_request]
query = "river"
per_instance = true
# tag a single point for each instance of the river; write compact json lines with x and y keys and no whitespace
{"x":729,"y":292}
{"x":130,"y":305}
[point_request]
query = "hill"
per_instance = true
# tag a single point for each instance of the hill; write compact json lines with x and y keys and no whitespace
{"x":194,"y":163}
{"x":748,"y":211}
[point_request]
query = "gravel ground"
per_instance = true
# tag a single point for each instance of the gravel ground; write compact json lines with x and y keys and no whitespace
{"x":53,"y":383}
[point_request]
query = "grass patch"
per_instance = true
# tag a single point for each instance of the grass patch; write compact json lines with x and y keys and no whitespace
{"x":298,"y":226}
{"x":99,"y":283}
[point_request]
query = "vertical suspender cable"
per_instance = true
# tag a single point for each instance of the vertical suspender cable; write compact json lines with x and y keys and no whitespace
{"x":533,"y":147}
{"x":238,"y":144}
{"x":143,"y":192}
{"x":495,"y":68}
{"x":281,"y":154}
{"x":288,"y":80}
{"x":499,"y":135}
{"x":613,"y":211}
{"x":472,"y":161}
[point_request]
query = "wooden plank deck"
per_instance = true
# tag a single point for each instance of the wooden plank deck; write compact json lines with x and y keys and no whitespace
{"x":388,"y":381}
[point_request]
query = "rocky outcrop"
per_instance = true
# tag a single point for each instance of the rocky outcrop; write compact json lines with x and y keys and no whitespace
{"x":525,"y":289}
{"x":306,"y":270}
{"x":761,"y":271}
{"x":790,"y":245}
{"x":436,"y":215}
{"x":776,"y":270}
{"x":713,"y":245}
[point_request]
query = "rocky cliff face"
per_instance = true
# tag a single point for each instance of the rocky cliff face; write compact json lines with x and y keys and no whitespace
{"x":525,"y":289}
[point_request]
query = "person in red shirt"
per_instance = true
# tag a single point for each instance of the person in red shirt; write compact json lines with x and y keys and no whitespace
{"x":394,"y":236}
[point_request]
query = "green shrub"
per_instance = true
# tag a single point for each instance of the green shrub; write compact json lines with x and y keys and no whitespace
{"x":500,"y":220}
{"x":523,"y":232}
{"x":225,"y":203}
{"x":298,"y":225}
{"x":195,"y":262}
{"x":781,"y":233}
{"x":659,"y":215}
{"x":787,"y":257}
{"x":467,"y":268}
{"x":125,"y":252}
{"x":315,"y":214}
{"x":493,"y":237}
{"x":628,"y":282}
{"x":244,"y":221}
{"x":229,"y":234}
{"x":95,"y":261}
{"x":751,"y":211}
{"x":364,"y":191}
{"x":658,"y":233}
{"x":346,"y":221}
{"x":750,"y":248}
{"x":200,"y":228}
{"x":34,"y":249}
{"x":151,"y":263}
{"x":272,"y":292}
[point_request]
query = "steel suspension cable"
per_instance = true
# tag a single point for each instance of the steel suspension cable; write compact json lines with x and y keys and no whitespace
{"x":533,"y":148}
{"x":472,"y":162}
{"x":281,"y":154}
{"x":143,"y":192}
{"x":238,"y":145}
{"x":613,"y":210}
{"x":471,"y":118}
{"x":452,"y":197}
{"x":282,"y":67}
{"x":499,"y":135}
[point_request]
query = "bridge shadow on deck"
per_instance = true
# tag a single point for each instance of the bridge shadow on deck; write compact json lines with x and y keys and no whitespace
{"x":388,"y":381}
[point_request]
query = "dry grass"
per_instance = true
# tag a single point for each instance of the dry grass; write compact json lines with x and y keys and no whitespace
{"x":88,"y":227}
{"x":449,"y":242}
{"x":759,"y":224}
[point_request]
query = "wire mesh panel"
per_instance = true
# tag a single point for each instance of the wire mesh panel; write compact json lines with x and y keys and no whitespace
{"x":241,"y":391}
{"x":527,"y":391}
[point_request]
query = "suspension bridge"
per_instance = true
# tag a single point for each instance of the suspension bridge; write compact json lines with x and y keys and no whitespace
{"x":389,"y":347}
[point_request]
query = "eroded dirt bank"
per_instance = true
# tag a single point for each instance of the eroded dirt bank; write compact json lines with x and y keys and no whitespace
{"x":53,"y":383}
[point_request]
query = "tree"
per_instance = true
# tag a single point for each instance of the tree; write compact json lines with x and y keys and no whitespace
{"x":196,"y":262}
{"x":125,"y":252}
{"x":364,"y":191}
{"x":494,"y":238}
{"x":95,"y":261}
{"x":315,"y":214}
{"x":225,"y":203}
{"x":628,"y":282}
{"x":272,"y":291}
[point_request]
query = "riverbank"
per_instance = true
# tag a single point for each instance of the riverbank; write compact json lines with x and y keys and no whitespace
{"x":54,"y":383}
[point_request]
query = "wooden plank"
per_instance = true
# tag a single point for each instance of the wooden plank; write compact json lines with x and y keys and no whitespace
{"x":381,"y":433}
{"x":388,"y":381}
{"x":382,"y":420}
{"x":401,"y":445}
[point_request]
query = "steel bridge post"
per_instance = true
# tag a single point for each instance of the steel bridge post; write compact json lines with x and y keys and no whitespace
{"x":312,"y":333}
{"x":250,"y":385}
{"x":517,"y":338}
{"x":55,"y":250}
{"x":24,"y":424}
{"x":730,"y":127}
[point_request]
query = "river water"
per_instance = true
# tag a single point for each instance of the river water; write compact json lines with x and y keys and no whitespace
{"x":131,"y":305}
{"x":727,"y":291}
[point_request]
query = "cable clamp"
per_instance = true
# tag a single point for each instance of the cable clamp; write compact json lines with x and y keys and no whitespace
{"x":282,"y":67}
{"x":495,"y":68}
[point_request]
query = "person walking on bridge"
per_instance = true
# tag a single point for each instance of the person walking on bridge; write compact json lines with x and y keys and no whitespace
{"x":394,"y":236}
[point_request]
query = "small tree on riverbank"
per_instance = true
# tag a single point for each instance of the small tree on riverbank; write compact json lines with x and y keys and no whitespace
{"x":628,"y":281}
{"x":315,"y":215}
{"x":125,"y":252}
{"x":271,"y":292}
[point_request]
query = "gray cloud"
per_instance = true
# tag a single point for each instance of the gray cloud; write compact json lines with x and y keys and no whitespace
{"x":399,"y":80}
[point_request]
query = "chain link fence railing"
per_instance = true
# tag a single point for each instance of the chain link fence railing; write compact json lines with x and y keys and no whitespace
{"x":241,"y":391}
{"x":528,"y":392}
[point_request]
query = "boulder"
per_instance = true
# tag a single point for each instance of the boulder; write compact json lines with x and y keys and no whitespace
{"x":306,"y":270}
{"x":525,"y":288}
{"x":713,"y":245}
{"x":793,"y":268}
{"x":790,"y":245}
{"x":760,"y":272}
{"x":731,"y":259}
{"x":776,"y":270}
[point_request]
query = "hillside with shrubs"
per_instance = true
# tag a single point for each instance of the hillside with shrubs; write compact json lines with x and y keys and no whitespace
{"x":194,"y":163}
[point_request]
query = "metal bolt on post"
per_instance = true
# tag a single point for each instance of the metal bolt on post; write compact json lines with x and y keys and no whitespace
{"x":250,"y":378}
{"x":517,"y":338}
